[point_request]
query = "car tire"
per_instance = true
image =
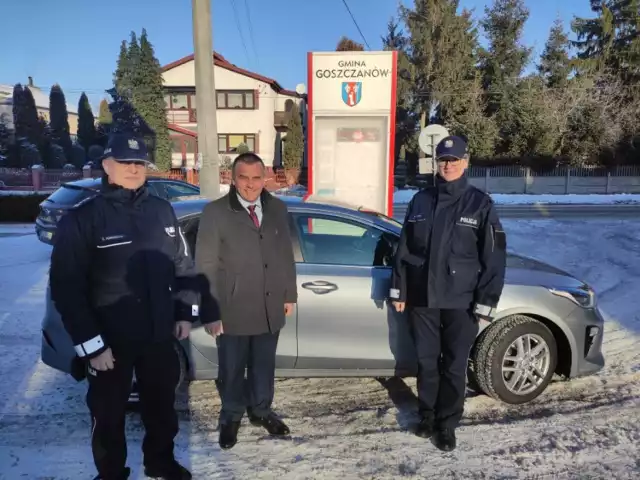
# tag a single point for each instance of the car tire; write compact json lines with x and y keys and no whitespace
{"x":134,"y":398}
{"x":488,"y":359}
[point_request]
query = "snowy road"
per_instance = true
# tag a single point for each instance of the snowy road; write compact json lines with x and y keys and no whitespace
{"x":587,"y":428}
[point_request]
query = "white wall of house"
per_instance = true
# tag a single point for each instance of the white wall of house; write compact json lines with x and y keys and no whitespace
{"x":259,"y":122}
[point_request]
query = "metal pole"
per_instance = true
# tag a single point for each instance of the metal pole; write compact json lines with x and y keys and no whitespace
{"x":433,"y":159}
{"x":206,"y":99}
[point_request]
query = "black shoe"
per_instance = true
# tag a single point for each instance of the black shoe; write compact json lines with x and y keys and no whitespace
{"x":445,"y":439}
{"x":173,"y":471}
{"x":123,"y":476}
{"x":228,"y":434}
{"x":271,"y":423}
{"x":424,"y":429}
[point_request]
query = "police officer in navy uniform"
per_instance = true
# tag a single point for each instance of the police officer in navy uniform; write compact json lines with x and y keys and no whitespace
{"x":121,"y":277}
{"x":448,"y":273}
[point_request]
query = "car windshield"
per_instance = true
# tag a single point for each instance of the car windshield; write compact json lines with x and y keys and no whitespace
{"x":69,"y":195}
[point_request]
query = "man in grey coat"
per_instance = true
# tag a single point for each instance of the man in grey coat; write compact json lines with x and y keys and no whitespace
{"x":244,"y":259}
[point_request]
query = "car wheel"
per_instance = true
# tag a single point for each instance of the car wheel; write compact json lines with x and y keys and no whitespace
{"x":134,"y":396}
{"x":515,"y":359}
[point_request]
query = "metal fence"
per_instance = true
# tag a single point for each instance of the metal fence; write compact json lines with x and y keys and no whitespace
{"x":511,"y":171}
{"x":513,"y":179}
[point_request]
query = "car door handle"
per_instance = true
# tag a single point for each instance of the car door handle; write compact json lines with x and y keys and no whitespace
{"x":320,"y":287}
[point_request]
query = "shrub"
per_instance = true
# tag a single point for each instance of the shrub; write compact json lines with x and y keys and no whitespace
{"x":20,"y":208}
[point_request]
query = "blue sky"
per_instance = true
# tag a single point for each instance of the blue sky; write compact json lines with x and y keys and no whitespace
{"x":75,"y":42}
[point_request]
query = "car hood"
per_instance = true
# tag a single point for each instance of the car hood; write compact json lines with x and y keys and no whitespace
{"x":522,"y":270}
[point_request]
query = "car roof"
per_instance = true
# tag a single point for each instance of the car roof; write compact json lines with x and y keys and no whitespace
{"x":94,"y":182}
{"x":312,"y":204}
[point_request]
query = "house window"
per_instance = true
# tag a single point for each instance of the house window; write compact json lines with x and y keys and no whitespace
{"x":235,"y":99}
{"x":179,"y":101}
{"x":184,"y":145}
{"x":229,"y":142}
{"x":181,"y":107}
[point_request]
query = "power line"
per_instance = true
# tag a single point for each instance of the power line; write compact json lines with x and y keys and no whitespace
{"x":356,"y":24}
{"x":237,"y":19}
{"x":251,"y":36}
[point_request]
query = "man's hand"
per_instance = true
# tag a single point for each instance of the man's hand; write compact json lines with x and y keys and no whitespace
{"x":182,"y":329}
{"x":214,"y":329}
{"x":288,"y":308}
{"x":104,"y":361}
{"x":399,"y":306}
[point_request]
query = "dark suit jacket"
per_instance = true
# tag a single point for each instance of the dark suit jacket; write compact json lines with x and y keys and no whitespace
{"x":247,"y":274}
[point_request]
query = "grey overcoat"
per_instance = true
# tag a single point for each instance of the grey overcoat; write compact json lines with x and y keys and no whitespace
{"x":246,"y":273}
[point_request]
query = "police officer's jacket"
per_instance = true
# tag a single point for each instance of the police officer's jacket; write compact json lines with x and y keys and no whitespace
{"x":452,"y":250}
{"x":121,"y":272}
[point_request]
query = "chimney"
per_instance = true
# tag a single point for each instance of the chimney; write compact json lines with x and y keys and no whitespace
{"x":30,"y":81}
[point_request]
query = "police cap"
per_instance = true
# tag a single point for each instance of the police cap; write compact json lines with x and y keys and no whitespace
{"x":124,"y":147}
{"x":452,"y":147}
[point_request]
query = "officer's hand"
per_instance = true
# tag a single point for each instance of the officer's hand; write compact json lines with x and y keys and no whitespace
{"x":288,"y":308}
{"x":214,"y":329}
{"x":182,"y":329}
{"x":104,"y":361}
{"x":399,"y":306}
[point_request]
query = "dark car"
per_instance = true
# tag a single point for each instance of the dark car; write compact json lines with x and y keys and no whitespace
{"x":71,"y":193}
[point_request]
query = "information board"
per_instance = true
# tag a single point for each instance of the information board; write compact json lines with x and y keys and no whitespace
{"x":351,"y":127}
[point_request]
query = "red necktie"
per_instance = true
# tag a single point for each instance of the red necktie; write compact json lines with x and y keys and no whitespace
{"x":254,"y":217}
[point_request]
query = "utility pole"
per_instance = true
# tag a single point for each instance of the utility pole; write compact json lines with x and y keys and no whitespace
{"x":206,"y":99}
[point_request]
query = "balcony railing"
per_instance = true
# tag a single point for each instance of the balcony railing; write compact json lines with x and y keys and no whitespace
{"x":281,"y":119}
{"x":182,"y":116}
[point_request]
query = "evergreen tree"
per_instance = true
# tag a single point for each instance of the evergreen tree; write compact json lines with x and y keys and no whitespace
{"x":122,"y":75}
{"x":104,"y":116}
{"x":29,"y":128}
{"x":610,"y":42}
{"x":462,"y":108}
{"x":502,"y":65}
{"x":347,"y":45}
{"x":138,"y":105}
{"x":441,"y":52}
{"x":406,"y":120}
{"x":125,"y":118}
{"x":59,"y":119}
{"x":25,"y":115}
{"x":46,"y":143}
{"x":57,"y":158}
{"x":504,"y":61}
{"x":86,"y":123}
{"x":294,"y":141}
{"x":148,"y":99}
{"x":555,"y":62}
{"x":5,"y":141}
{"x":136,"y":76}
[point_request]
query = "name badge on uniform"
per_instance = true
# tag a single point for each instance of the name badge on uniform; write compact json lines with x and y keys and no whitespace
{"x":417,"y":217}
{"x":468,"y":222}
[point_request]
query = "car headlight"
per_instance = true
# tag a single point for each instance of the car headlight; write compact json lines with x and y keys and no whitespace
{"x":583,"y":296}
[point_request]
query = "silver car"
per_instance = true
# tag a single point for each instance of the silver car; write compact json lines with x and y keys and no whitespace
{"x":547,"y":322}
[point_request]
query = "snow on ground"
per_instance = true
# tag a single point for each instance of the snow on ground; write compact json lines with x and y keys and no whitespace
{"x":23,"y":193}
{"x":404,"y":196}
{"x":351,"y":428}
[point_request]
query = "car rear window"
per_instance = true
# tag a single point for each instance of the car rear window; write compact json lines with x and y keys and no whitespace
{"x":68,"y":196}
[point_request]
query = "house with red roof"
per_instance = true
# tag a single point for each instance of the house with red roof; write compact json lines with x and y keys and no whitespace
{"x":251,"y":109}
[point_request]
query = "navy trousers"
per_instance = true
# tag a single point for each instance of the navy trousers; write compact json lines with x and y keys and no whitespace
{"x":256,"y":354}
{"x":443,"y":340}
